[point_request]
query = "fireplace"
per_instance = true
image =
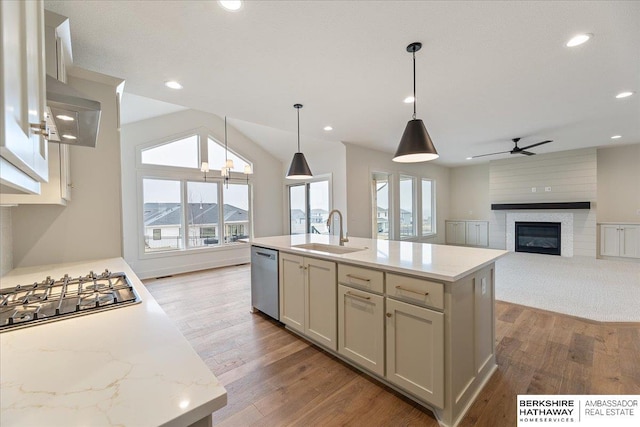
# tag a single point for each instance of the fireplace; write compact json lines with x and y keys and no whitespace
{"x":538,"y":237}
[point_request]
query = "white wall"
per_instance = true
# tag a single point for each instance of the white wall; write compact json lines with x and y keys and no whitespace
{"x":6,"y":241}
{"x":361,"y":162}
{"x":267,"y":184}
{"x":90,"y":226}
{"x":619,"y":184}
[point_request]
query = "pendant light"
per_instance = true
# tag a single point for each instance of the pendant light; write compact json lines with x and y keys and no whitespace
{"x":299,"y":168}
{"x":415,"y":145}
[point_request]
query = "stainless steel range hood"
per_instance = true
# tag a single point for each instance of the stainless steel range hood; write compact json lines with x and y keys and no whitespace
{"x":71,"y":117}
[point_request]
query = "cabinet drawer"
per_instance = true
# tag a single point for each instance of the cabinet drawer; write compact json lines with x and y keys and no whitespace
{"x":363,"y":278}
{"x":417,"y":291}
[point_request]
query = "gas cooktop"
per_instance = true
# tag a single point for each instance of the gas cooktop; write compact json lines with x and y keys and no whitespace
{"x":49,"y":300}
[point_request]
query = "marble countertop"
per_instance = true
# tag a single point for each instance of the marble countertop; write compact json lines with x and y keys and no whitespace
{"x":441,"y":262}
{"x":128,"y":366}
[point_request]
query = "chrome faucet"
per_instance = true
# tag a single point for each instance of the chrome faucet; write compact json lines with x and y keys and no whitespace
{"x":342,"y":239}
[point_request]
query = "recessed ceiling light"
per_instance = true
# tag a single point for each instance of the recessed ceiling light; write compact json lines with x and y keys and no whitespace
{"x":173,"y":84}
{"x":328,"y":128}
{"x":616,"y":137}
{"x":231,"y":5}
{"x":67,"y":136}
{"x":624,"y":94}
{"x":578,"y":40}
{"x":469,"y":158}
{"x":65,"y":118}
{"x":409,"y":99}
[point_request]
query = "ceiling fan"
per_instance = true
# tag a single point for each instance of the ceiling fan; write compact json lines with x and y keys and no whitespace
{"x":516,"y":149}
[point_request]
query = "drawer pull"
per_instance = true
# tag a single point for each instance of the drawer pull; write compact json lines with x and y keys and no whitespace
{"x":357,"y":296}
{"x":411,"y":290}
{"x":351,"y":276}
{"x":389,"y":314}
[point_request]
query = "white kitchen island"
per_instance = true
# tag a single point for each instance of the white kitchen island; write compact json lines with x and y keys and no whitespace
{"x":129,"y":366}
{"x":417,"y":317}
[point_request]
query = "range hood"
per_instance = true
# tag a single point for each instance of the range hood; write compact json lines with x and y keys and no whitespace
{"x":71,"y":117}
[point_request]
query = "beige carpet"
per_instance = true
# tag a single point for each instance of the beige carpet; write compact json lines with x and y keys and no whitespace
{"x":603,"y":290}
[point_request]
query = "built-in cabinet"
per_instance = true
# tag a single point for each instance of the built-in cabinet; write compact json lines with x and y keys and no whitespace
{"x":620,"y":240}
{"x":471,"y":233}
{"x":23,"y":148}
{"x":431,"y":340}
{"x":308,"y":292}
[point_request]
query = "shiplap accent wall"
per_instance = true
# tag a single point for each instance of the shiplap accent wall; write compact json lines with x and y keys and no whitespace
{"x":572,"y":176}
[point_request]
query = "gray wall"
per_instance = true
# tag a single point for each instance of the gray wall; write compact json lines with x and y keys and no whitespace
{"x":470,"y":193}
{"x":619,"y":184}
{"x":90,"y":226}
{"x":6,"y":241}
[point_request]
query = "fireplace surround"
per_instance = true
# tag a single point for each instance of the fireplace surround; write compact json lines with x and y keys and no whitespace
{"x":538,"y":237}
{"x":564,"y":218}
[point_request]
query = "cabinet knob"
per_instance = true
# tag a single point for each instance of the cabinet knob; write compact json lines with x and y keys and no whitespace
{"x":300,"y":267}
{"x":389,"y":314}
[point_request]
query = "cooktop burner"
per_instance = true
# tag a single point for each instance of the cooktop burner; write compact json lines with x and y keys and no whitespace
{"x":27,"y":305}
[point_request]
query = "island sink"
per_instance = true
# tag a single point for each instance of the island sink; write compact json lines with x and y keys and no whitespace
{"x":332,"y":249}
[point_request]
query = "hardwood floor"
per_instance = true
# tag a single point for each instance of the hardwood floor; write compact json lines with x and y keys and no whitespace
{"x":275,"y":378}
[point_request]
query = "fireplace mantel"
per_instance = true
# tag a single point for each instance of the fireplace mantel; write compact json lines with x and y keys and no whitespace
{"x":533,"y":206}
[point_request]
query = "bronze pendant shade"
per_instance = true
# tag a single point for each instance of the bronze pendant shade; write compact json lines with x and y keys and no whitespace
{"x":415,"y":145}
{"x":299,"y":168}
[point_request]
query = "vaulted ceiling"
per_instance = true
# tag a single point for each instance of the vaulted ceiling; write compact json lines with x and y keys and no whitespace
{"x":487,"y":72}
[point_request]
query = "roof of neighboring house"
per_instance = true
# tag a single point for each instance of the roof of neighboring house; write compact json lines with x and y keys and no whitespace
{"x":157,"y":214}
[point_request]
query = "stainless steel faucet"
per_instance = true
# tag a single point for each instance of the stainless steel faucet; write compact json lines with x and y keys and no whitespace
{"x":342,"y":239}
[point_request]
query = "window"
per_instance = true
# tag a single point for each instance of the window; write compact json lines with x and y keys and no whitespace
{"x":407,"y":210}
{"x":413,"y":211}
{"x":428,"y":202}
{"x":381,"y":205}
{"x":181,"y":210}
{"x":309,"y":207}
{"x":181,"y":153}
{"x":162,"y":215}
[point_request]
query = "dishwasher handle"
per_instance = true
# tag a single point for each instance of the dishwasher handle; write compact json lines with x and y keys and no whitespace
{"x":264,"y":254}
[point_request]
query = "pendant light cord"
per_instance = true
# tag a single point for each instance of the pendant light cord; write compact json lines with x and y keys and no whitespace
{"x":298,"y":129}
{"x":414,"y":84}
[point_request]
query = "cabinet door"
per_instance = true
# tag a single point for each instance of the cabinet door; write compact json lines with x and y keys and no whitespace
{"x":483,"y":233}
{"x":477,"y":233}
{"x":361,"y":328}
{"x":415,"y":350}
{"x":292,"y":291}
{"x":630,"y":241}
{"x":609,"y":240}
{"x":320,"y":302}
{"x":455,"y":233}
{"x":472,"y":233}
{"x":23,"y":94}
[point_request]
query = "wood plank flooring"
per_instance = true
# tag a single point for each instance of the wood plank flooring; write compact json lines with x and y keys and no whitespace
{"x":274,"y":378}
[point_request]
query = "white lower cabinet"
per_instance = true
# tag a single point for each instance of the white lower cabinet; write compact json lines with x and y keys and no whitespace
{"x":415,"y":350}
{"x":361,"y":328}
{"x":471,"y":233}
{"x":455,"y":232}
{"x":620,"y":240}
{"x":308,"y":297}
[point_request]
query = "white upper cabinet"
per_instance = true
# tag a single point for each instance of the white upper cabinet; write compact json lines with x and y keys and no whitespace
{"x":23,"y":148}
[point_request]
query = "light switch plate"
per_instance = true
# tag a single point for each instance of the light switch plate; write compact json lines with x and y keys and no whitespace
{"x":533,"y":189}
{"x":483,"y":285}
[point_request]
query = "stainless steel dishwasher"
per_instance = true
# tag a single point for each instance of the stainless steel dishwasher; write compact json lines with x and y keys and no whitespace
{"x":264,"y":281}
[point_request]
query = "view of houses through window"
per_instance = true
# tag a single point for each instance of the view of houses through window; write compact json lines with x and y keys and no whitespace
{"x":413,"y":209}
{"x":185,"y":213}
{"x":309,"y":207}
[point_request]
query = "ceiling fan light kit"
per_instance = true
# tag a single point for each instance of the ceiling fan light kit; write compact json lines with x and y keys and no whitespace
{"x":416,"y":144}
{"x":299,"y":168}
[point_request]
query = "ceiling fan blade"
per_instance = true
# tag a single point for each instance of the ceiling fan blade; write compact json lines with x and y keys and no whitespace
{"x":526,"y":153}
{"x":535,"y":145}
{"x":492,"y":154}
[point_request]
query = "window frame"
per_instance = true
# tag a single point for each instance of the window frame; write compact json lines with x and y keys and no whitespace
{"x":306,"y":183}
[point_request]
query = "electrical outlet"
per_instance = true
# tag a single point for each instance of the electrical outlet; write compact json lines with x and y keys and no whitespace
{"x":533,"y":189}
{"x":483,"y":285}
{"x":547,"y":188}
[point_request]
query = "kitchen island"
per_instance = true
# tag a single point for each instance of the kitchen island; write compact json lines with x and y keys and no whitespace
{"x":127,"y":366}
{"x":417,"y":317}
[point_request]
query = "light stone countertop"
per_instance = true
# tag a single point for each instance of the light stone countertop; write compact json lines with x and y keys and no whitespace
{"x":128,"y":366}
{"x":441,"y":262}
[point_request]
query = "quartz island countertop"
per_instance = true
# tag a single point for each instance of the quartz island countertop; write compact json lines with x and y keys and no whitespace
{"x":129,"y":366}
{"x":442,"y":262}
